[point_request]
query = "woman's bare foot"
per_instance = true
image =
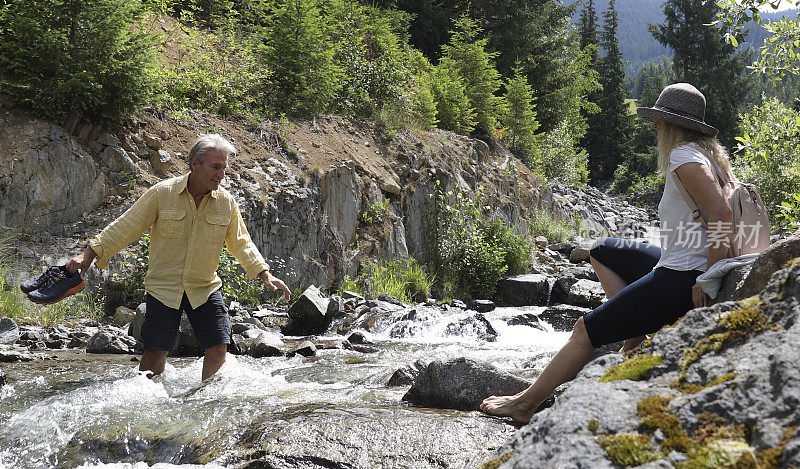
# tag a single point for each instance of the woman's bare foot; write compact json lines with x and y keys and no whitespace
{"x":509,"y":406}
{"x":631,"y":344}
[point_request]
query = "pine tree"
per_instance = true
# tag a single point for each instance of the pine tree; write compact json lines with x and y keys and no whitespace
{"x":595,"y":126}
{"x":703,"y":58}
{"x":614,"y":144}
{"x":299,"y":54}
{"x":481,"y":79}
{"x":520,"y":121}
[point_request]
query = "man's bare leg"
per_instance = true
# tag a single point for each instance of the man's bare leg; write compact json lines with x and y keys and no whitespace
{"x":564,"y":366}
{"x":213,"y":359}
{"x":612,"y":284}
{"x":153,"y":361}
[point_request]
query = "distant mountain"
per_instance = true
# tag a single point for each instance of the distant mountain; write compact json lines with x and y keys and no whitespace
{"x":636,"y":42}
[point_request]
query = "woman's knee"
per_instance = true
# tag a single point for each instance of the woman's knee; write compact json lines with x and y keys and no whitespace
{"x":579,"y":331}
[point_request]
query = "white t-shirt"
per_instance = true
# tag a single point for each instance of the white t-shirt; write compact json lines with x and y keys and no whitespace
{"x":684,"y":242}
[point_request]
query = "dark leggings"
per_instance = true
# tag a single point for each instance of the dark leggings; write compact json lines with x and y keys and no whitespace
{"x":652,"y":299}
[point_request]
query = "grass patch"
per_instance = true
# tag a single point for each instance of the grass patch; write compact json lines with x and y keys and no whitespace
{"x":403,"y":279}
{"x":542,"y":223}
{"x":690,"y":388}
{"x":635,"y":369}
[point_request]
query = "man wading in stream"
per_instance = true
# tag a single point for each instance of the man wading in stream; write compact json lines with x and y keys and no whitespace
{"x":189,"y":218}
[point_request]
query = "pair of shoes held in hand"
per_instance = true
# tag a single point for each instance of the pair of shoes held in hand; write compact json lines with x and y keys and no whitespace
{"x":53,"y":285}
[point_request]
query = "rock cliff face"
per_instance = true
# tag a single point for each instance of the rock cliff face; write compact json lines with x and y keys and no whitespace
{"x":318,"y":196}
{"x":722,"y":390}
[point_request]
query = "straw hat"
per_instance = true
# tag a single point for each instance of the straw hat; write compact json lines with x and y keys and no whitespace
{"x":681,"y":104}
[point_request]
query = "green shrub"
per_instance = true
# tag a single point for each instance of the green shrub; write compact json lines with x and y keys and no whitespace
{"x":460,"y":252}
{"x":403,"y":279}
{"x":769,"y":157}
{"x":235,"y":284}
{"x":210,"y":71}
{"x":373,"y":59}
{"x":90,"y":56}
{"x":516,"y":249}
{"x":560,"y":157}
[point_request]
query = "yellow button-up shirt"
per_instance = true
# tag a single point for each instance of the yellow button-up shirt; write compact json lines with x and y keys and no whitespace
{"x":185,"y":240}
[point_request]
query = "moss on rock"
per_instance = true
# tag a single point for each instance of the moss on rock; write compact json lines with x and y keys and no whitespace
{"x":628,"y":449}
{"x":636,"y":368}
{"x":494,"y":463}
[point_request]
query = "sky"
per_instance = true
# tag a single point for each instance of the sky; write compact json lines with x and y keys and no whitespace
{"x":785,"y":5}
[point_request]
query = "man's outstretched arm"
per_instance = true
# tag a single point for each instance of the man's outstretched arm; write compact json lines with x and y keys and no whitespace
{"x":122,"y":231}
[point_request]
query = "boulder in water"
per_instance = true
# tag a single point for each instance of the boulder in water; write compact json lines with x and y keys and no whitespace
{"x":586,"y":293}
{"x":359,"y":337}
{"x":306,"y":349}
{"x":524,"y":290}
{"x":563,"y":317}
{"x":476,"y":326}
{"x":9,"y":331}
{"x":406,"y":374}
{"x":308,"y":314}
{"x":482,"y":306}
{"x":111,"y":341}
{"x":461,"y":384}
{"x":265,"y":345}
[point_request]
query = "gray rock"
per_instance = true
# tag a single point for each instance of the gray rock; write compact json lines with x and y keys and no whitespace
{"x":9,"y":331}
{"x":111,"y":341}
{"x":349,"y":294}
{"x":118,"y":160}
{"x":476,"y":326}
{"x":771,"y":260}
{"x":406,"y":374}
{"x":2,"y":378}
{"x":563,"y":248}
{"x":563,"y":317}
{"x":359,"y":337}
{"x":586,"y":293}
{"x":306,"y":349}
{"x":187,"y":345}
{"x":579,"y":254}
{"x":335,"y":308}
{"x":460,"y":384}
{"x":361,"y":348}
{"x":135,"y":327}
{"x":524,"y":290}
{"x":308,"y":314}
{"x":124,"y":316}
{"x":11,"y":356}
{"x":482,"y":306}
{"x":266,"y":345}
{"x":153,"y":143}
{"x":390,"y":299}
{"x":161,"y":161}
{"x":731,"y":283}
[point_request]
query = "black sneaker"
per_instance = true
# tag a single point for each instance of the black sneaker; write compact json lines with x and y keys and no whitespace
{"x":35,"y":283}
{"x":57,"y":287}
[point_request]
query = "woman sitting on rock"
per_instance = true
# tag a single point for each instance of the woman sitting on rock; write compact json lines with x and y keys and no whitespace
{"x":649,"y":287}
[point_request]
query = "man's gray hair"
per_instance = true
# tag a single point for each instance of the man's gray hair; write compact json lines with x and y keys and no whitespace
{"x":209,"y":142}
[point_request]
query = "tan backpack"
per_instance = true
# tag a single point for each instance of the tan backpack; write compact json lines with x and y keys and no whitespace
{"x":750,"y":216}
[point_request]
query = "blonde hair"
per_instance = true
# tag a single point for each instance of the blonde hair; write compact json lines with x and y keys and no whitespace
{"x":671,"y":136}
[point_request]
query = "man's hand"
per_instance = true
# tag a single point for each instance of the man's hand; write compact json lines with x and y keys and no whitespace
{"x":699,"y":297}
{"x":274,"y":283}
{"x":81,"y":262}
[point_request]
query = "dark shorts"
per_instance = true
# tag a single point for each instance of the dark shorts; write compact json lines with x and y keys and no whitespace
{"x":209,"y":321}
{"x":652,"y":299}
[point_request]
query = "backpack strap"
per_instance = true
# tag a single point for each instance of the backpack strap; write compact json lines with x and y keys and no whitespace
{"x":698,"y":213}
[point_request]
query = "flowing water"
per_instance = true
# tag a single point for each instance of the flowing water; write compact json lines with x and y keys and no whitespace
{"x":332,"y":410}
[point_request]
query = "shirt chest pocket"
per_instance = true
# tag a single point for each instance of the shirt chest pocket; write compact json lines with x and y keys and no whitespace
{"x":171,"y":223}
{"x":216,"y":226}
